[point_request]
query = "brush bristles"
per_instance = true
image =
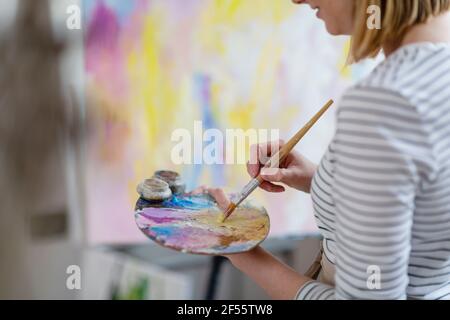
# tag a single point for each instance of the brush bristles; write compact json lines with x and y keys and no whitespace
{"x":228,"y":212}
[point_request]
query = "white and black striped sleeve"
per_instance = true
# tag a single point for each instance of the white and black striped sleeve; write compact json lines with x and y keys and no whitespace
{"x":381,"y":151}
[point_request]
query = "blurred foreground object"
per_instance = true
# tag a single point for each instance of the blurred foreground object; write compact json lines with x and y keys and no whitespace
{"x":33,"y":130}
{"x":32,"y":107}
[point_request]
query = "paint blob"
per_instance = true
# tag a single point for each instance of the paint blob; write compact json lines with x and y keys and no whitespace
{"x":154,"y":190}
{"x":191,"y":224}
{"x":173,"y":179}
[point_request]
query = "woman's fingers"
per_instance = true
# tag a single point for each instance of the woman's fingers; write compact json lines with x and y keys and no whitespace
{"x":260,"y":154}
{"x":270,"y":176}
{"x":198,"y":191}
{"x":270,"y":187}
{"x":274,"y":175}
{"x":221,"y":198}
{"x":218,"y":195}
{"x":254,"y":163}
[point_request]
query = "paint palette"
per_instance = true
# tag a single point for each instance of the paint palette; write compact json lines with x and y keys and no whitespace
{"x":191,"y":224}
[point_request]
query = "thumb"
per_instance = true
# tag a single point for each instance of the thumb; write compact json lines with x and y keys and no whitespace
{"x":273,"y":174}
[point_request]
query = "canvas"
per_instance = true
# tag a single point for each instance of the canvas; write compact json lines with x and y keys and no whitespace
{"x":153,"y":67}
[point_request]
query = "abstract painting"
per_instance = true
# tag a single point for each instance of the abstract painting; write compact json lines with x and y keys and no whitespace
{"x":155,"y":66}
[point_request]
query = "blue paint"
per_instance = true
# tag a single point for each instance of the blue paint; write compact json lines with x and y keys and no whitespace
{"x":189,"y":203}
{"x":161,"y":231}
{"x":184,"y":202}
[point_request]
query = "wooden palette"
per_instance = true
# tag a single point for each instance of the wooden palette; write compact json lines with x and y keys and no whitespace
{"x":191,"y":224}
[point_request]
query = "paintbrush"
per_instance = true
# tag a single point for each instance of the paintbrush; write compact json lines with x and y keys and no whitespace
{"x":274,"y":161}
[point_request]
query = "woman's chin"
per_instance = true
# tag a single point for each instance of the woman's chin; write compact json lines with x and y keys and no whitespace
{"x":333,"y":30}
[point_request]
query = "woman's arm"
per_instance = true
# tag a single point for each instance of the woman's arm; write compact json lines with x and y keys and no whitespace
{"x":277,"y":279}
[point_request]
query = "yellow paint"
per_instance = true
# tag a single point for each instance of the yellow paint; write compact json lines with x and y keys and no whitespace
{"x":245,"y":223}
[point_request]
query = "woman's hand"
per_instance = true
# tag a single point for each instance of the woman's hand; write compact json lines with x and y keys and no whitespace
{"x":216,"y":193}
{"x":295,"y":171}
{"x":276,"y":278}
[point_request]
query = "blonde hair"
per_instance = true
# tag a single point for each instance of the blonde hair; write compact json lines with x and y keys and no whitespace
{"x":397,"y":17}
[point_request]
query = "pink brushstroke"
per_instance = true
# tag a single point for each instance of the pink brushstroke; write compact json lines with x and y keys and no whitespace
{"x":105,"y":57}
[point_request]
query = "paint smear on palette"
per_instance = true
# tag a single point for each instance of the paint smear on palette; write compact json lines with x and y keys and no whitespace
{"x":191,"y":224}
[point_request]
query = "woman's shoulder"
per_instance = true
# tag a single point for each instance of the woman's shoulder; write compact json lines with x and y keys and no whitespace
{"x":413,"y":73}
{"x":411,"y":85}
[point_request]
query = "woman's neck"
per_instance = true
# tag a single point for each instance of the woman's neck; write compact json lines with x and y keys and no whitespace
{"x":436,"y":30}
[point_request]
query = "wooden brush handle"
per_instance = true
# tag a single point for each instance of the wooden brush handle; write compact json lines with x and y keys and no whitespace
{"x":276,"y":159}
{"x":280,"y":156}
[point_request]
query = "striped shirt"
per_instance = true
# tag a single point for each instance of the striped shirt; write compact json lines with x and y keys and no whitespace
{"x":381,"y":194}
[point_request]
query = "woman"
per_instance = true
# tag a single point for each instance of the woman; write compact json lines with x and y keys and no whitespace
{"x":382,"y":192}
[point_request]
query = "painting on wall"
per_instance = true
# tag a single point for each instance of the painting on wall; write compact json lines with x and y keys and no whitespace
{"x":157,"y":66}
